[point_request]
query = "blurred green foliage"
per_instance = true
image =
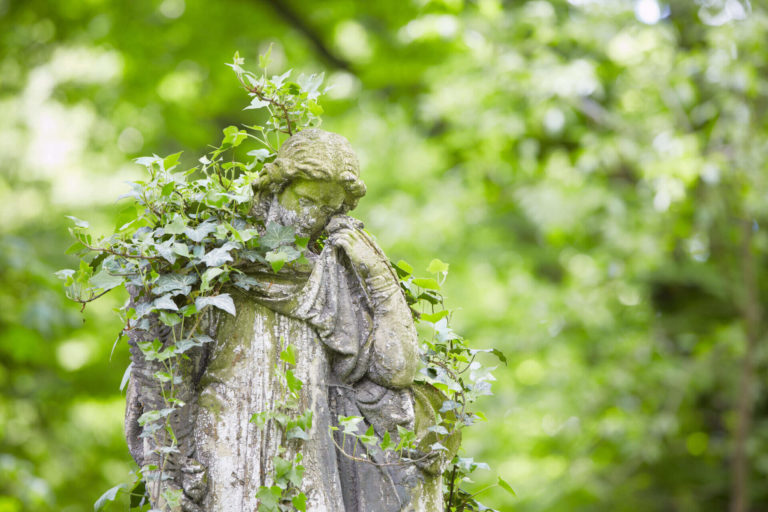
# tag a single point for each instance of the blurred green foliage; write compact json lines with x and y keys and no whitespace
{"x":593,"y":170}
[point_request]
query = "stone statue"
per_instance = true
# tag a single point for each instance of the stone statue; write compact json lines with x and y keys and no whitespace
{"x":357,"y":355}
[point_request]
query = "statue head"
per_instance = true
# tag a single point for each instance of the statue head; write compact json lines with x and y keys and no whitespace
{"x":315,"y":175}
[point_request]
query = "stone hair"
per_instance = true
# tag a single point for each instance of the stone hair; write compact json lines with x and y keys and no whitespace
{"x":316,"y":155}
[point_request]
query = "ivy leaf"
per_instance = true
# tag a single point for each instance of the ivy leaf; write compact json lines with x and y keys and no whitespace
{"x":468,"y":464}
{"x":439,"y":378}
{"x":277,"y":235}
{"x":245,"y":235}
{"x":289,"y":355}
{"x":309,"y":83}
{"x":204,"y":338}
{"x":125,"y":217}
{"x":150,"y":417}
{"x":198,"y":233}
{"x":438,"y":447}
{"x":237,"y":61}
{"x":294,"y":383}
{"x":369,"y":438}
{"x":405,"y":267}
{"x":167,"y":189}
{"x":106,"y":281}
{"x":300,"y":502}
{"x":297,"y":433}
{"x":176,"y":227}
{"x":184,"y":345}
{"x":265,"y":59}
{"x":171,"y":161}
{"x":245,"y":282}
{"x":427,"y":283}
{"x":242,"y":196}
{"x":349,"y":423}
{"x":181,"y":250}
{"x":504,"y":485}
{"x":260,"y":154}
{"x":296,"y":475}
{"x":165,"y":302}
{"x":253,"y":256}
{"x":148,"y":161}
{"x":406,"y":437}
{"x":74,"y":248}
{"x":499,"y":355}
{"x":218,"y":257}
{"x":234,"y":136}
{"x":166,"y":376}
{"x":176,"y":284}
{"x":386,"y":442}
{"x":137,"y":494}
{"x":169,"y":319}
{"x":110,"y":495}
{"x":268,"y":498}
{"x":256,"y":103}
{"x":166,"y":251}
{"x":143,"y":308}
{"x":260,"y":418}
{"x":314,"y":108}
{"x":436,"y":266}
{"x":438,"y":429}
{"x":223,"y":302}
{"x":444,"y":333}
{"x":281,"y":256}
{"x":222,"y":232}
{"x":305,"y":420}
{"x":449,"y":405}
{"x":126,"y":376}
{"x":434,"y":317}
{"x":80,"y":224}
{"x":65,"y":274}
{"x":208,"y":276}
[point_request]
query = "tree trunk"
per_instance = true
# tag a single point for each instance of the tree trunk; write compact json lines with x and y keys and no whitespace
{"x":751,"y":316}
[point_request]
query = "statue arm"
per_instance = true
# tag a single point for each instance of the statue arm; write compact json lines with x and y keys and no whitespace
{"x":395,"y":358}
{"x":395,"y":344}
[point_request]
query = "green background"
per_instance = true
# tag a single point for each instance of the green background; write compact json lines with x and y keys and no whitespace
{"x":594,"y":171}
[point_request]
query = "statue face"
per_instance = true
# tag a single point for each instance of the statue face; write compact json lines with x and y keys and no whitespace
{"x":311,"y":203}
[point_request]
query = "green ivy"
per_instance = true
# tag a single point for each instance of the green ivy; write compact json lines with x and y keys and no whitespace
{"x":450,"y":365}
{"x":284,"y":494}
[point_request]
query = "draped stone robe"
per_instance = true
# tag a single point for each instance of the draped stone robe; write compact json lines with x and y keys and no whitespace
{"x":356,"y":355}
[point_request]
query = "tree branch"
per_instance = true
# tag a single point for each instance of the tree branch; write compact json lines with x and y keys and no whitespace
{"x":297,"y":22}
{"x":751,"y":317}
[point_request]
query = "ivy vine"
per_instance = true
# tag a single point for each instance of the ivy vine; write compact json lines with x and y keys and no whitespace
{"x":453,"y":367}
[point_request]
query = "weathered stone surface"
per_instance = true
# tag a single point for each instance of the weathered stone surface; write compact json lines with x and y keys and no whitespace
{"x":357,"y":354}
{"x":240,"y":381}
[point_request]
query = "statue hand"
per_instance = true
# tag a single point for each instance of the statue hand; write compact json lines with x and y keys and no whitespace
{"x":366,"y":258}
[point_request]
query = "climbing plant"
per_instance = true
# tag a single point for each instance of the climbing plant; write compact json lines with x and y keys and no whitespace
{"x":294,"y":423}
{"x":453,"y":367}
{"x":187,"y":234}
